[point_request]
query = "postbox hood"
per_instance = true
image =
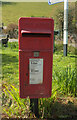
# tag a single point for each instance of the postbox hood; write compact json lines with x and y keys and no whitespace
{"x":36,"y":25}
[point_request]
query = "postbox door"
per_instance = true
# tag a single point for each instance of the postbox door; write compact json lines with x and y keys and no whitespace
{"x":36,"y":77}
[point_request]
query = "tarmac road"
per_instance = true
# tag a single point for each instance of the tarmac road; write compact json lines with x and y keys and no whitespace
{"x":13,"y":40}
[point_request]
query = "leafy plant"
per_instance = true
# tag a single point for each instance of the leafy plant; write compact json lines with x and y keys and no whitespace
{"x":15,"y":106}
{"x":66,"y":80}
{"x":71,"y":17}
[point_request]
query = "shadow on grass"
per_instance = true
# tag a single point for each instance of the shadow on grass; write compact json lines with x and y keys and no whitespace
{"x":55,"y":111}
{"x":7,"y":59}
{"x":73,"y":56}
{"x":61,"y":109}
{"x":8,"y":3}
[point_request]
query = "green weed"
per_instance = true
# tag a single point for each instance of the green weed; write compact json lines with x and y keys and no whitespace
{"x":15,"y":106}
{"x":66,"y":81}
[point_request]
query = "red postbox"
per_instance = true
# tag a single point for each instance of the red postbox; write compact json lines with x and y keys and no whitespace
{"x":35,"y":57}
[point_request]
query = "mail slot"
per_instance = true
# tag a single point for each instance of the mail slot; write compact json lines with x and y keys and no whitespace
{"x":35,"y":57}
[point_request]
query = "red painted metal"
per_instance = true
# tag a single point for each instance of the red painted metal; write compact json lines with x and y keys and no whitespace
{"x":35,"y":35}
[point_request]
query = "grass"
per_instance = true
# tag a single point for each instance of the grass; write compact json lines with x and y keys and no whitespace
{"x":10,"y":64}
{"x":27,"y":9}
{"x":63,"y":84}
{"x":12,"y":11}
